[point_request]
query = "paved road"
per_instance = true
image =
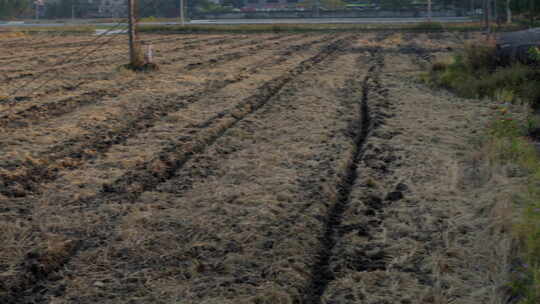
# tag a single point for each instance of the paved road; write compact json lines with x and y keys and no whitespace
{"x":328,"y":20}
{"x":258,"y":21}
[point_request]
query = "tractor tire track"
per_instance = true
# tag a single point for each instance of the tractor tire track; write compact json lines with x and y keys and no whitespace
{"x":97,"y":60}
{"x":118,"y":51}
{"x":188,"y":45}
{"x":233,"y":56}
{"x":96,"y":143}
{"x":38,"y":268}
{"x":144,"y":180}
{"x":24,"y":44}
{"x":322,"y":273}
{"x":190,"y":40}
{"x":39,"y":112}
{"x":215,"y":62}
{"x":46,"y":55}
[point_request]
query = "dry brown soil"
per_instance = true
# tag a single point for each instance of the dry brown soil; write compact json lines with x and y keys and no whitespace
{"x":269,"y":168}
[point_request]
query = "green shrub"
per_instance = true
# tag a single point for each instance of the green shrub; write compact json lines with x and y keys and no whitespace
{"x":278,"y":29}
{"x":530,"y":91}
{"x":439,"y":66}
{"x":479,"y":58}
{"x":509,"y":145}
{"x":534,"y":52}
{"x":429,"y":26}
{"x":457,"y":80}
{"x":509,"y":78}
{"x":149,"y":19}
{"x":505,"y":95}
{"x":474,"y":73}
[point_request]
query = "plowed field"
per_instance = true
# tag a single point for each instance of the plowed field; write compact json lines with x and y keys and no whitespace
{"x":270,"y":168}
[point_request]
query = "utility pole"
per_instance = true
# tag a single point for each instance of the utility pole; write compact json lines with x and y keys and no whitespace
{"x":72,"y":12}
{"x":508,"y":12}
{"x":531,"y":3}
{"x":487,"y":15}
{"x":495,"y":11}
{"x":182,"y":12}
{"x":133,"y":58}
{"x":485,"y":9}
{"x":429,"y":11}
{"x":137,"y":60}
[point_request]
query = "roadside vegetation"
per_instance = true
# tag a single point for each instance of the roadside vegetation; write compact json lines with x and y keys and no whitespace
{"x":508,"y":144}
{"x":477,"y":73}
{"x":264,"y":28}
{"x":11,"y":9}
{"x":510,"y":140}
{"x":256,"y":28}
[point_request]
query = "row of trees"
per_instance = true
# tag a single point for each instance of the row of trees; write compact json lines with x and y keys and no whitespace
{"x":526,"y":8}
{"x":64,"y":9}
{"x":505,"y":10}
{"x":499,"y":9}
{"x":15,"y":8}
{"x":522,"y":7}
{"x":160,"y":8}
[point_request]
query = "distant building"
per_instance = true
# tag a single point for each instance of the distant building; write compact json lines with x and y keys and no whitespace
{"x":39,"y":8}
{"x":270,"y":5}
{"x":111,"y":8}
{"x":96,"y":8}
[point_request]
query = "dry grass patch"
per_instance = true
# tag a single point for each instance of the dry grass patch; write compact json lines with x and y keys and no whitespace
{"x":519,"y":158}
{"x":6,"y":35}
